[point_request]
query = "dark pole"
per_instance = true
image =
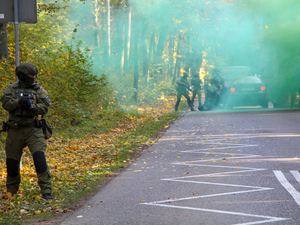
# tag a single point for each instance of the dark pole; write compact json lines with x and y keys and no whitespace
{"x":16,"y":20}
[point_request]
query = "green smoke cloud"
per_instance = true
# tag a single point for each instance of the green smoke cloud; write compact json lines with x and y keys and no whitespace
{"x":147,"y":40}
{"x":280,"y":33}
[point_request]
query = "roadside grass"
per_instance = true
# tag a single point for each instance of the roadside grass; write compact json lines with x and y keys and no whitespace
{"x":80,"y":158}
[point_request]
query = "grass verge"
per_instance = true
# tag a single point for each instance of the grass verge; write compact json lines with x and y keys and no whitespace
{"x":81,"y":158}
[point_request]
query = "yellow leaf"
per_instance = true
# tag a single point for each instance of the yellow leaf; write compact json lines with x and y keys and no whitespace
{"x":266,"y":27}
{"x":37,"y":212}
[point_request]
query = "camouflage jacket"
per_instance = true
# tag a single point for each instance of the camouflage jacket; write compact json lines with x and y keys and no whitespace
{"x":10,"y":102}
{"x":182,"y":84}
{"x":196,"y":82}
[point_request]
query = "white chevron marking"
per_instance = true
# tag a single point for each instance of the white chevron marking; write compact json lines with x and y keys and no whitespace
{"x":187,"y":179}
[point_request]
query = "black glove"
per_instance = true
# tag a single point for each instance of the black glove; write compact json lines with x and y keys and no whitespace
{"x":25,"y":103}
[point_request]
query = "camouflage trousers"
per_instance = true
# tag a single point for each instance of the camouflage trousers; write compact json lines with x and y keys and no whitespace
{"x":18,"y":138}
{"x":197,"y":92}
{"x":186,"y":95}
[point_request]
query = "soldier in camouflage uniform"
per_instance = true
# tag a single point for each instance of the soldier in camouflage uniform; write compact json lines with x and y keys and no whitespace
{"x":25,"y":100}
{"x":182,"y":87}
{"x":196,"y":82}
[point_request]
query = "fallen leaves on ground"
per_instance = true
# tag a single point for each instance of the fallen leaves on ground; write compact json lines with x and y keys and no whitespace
{"x":76,"y":165}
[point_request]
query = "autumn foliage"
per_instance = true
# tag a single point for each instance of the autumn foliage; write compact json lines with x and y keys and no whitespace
{"x":94,"y":134}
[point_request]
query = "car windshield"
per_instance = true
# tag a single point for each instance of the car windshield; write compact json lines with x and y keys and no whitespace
{"x":248,"y":80}
{"x":230,"y":73}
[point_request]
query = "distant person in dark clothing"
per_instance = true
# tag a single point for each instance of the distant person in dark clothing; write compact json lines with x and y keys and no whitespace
{"x":182,"y":88}
{"x":196,"y":82}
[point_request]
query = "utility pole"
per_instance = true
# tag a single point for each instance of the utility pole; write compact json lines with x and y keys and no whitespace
{"x":16,"y":20}
{"x":16,"y":12}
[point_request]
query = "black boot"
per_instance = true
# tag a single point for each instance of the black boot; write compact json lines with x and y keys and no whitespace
{"x":47,"y":196}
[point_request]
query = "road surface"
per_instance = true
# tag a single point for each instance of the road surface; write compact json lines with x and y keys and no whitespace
{"x":208,"y":169}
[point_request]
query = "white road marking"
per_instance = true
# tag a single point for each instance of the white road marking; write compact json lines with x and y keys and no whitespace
{"x":268,"y":218}
{"x":284,"y":182}
{"x":209,"y":196}
{"x":296,"y":174}
{"x":237,"y":169}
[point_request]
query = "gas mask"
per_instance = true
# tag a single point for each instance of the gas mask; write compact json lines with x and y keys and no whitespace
{"x":30,"y":79}
{"x":27,"y":73}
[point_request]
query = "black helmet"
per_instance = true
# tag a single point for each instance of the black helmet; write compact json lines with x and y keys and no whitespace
{"x":25,"y":69}
{"x":185,"y":74}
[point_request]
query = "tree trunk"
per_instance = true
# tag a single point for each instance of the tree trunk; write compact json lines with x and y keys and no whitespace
{"x":3,"y":42}
{"x":104,"y":48}
{"x":108,"y":28}
{"x":178,"y":60}
{"x":171,"y":53}
{"x":129,"y":33}
{"x":127,"y":37}
{"x":136,"y":62}
{"x":147,"y":55}
{"x":151,"y":51}
{"x":160,"y":48}
{"x":97,"y":22}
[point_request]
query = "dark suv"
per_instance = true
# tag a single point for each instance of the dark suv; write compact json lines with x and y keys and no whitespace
{"x":242,"y":88}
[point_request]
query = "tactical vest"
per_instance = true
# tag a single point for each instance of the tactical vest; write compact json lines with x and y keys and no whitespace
{"x":18,"y":92}
{"x":196,"y":82}
{"x":181,"y":85}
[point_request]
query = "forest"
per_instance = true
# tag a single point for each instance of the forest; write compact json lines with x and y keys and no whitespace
{"x":110,"y":67}
{"x":139,"y":48}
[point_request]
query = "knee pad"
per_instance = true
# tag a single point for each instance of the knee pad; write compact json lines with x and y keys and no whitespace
{"x":40,"y":161}
{"x":13,"y":167}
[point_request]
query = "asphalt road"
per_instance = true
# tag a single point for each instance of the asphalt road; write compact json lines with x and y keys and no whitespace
{"x":208,"y":169}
